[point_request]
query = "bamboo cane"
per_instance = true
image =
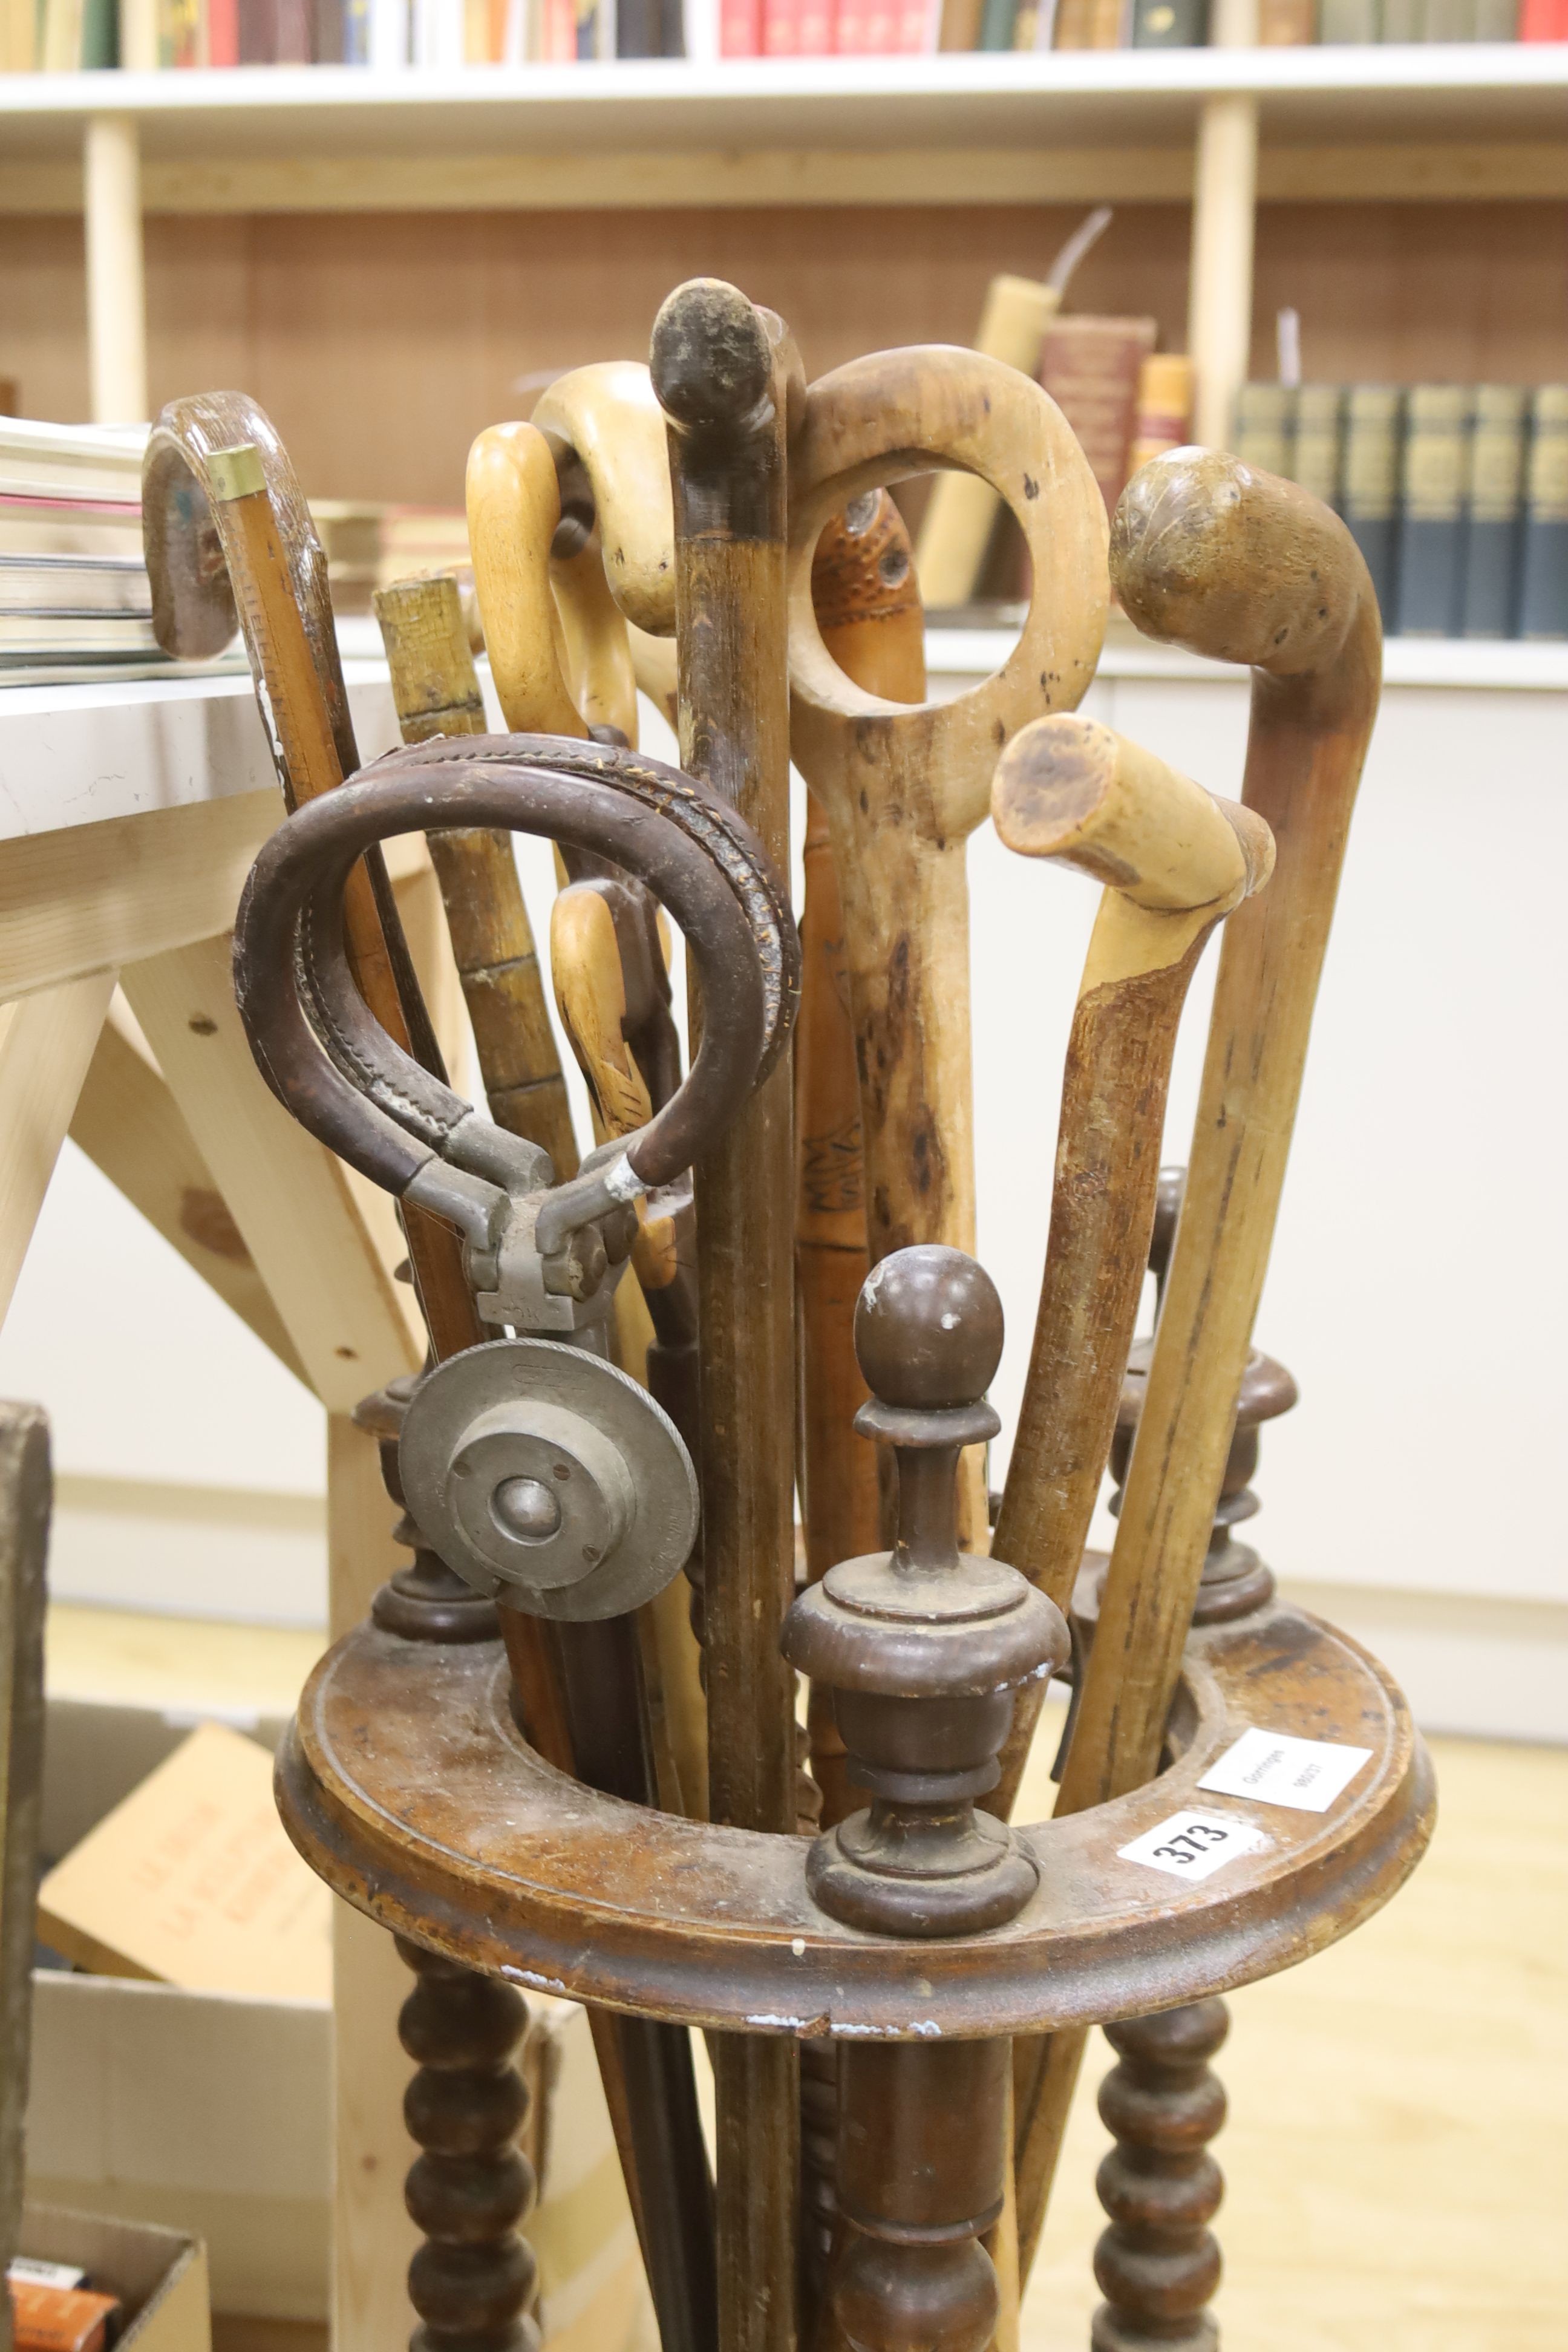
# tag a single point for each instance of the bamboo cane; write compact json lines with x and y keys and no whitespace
{"x":1240,"y":566}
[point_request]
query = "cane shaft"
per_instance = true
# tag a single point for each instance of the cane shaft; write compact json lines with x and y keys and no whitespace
{"x":727,"y":474}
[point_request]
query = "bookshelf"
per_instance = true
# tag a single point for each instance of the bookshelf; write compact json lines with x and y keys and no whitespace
{"x":1222,"y":131}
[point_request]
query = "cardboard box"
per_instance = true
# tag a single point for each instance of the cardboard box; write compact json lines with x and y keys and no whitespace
{"x":160,"y":2275}
{"x":211,"y":2113}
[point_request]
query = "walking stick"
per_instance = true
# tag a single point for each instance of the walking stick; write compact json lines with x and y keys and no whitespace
{"x":903,"y":789}
{"x":229,"y":537}
{"x":723,"y":371}
{"x":868,"y":610}
{"x":1240,"y":566}
{"x":514,"y":511}
{"x":1174,"y":863}
{"x":606,"y":434}
{"x":436,"y":689}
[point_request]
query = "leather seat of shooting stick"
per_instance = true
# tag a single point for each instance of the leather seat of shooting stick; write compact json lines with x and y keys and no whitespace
{"x":406,"y":1785}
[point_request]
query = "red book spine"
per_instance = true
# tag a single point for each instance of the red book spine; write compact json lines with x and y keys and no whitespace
{"x":1541,"y":20}
{"x":914,"y":28}
{"x":223,"y":32}
{"x":781,"y":28}
{"x":740,"y":28}
{"x":850,"y":28}
{"x":818,"y":26}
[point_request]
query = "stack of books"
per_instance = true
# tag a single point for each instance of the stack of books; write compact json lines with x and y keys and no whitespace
{"x":1457,"y":494}
{"x":74,"y":595}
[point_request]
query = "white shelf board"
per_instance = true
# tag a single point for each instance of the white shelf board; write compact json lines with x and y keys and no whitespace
{"x":1065,"y":97}
{"x":1473,"y":663}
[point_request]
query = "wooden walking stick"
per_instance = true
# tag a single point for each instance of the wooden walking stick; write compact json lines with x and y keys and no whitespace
{"x":868,"y":610}
{"x":606,"y":433}
{"x":1240,"y":566}
{"x":903,"y":789}
{"x":229,"y":538}
{"x":722,"y":373}
{"x":514,"y":511}
{"x":437,"y":690}
{"x":1174,"y":863}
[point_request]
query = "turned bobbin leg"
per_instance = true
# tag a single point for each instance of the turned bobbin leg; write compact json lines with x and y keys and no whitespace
{"x":1159,"y":2264}
{"x":922,"y":2159}
{"x":473,"y":2279}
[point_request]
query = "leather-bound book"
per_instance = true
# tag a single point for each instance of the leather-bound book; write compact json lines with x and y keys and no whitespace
{"x":1090,"y":24}
{"x":1265,"y":420}
{"x":1431,"y":510}
{"x":1370,"y":498}
{"x":1317,"y":441}
{"x":1170,"y":23}
{"x":1164,"y":407}
{"x":1287,"y":24}
{"x":1543,"y":573}
{"x":1090,"y":367}
{"x":1494,"y":507}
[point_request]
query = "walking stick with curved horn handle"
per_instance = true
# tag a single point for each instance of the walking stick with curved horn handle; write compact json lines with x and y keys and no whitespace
{"x":903,"y":788}
{"x":1240,"y":566}
{"x":1174,"y":863}
{"x":230,"y":539}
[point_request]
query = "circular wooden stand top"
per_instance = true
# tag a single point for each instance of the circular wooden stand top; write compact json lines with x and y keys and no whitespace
{"x":406,"y":1785}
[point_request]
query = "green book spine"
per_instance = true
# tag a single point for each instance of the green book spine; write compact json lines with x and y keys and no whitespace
{"x":1431,"y":502}
{"x":998,"y":23}
{"x":1170,"y":23}
{"x":1264,"y":414}
{"x":1543,"y":575}
{"x":1494,"y":499}
{"x":1317,"y":447}
{"x":100,"y":35}
{"x":1369,"y":498}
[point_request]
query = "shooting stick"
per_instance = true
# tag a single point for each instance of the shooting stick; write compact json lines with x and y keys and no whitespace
{"x":722,"y":373}
{"x":903,"y":789}
{"x":1174,"y":863}
{"x":868,"y":610}
{"x":229,"y":536}
{"x":1240,"y":566}
{"x":436,"y":691}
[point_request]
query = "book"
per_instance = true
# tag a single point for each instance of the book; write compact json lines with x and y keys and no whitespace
{"x":740,"y":28}
{"x":1369,"y":497}
{"x":1164,"y":407}
{"x":223,"y":32}
{"x":59,"y":36}
{"x":74,"y":587}
{"x":1317,"y":440}
{"x":1429,"y":592}
{"x":326,"y":32}
{"x":257,"y":25}
{"x":1496,"y":20}
{"x":1543,"y":564}
{"x":998,"y":22}
{"x":1494,"y":503}
{"x":817,"y":28}
{"x":1091,"y":367}
{"x":1401,"y":21}
{"x":19,"y":36}
{"x":1170,"y":23}
{"x":1541,"y":20}
{"x":1346,"y":23}
{"x":180,"y":32}
{"x":1264,"y":415}
{"x":356,"y":32}
{"x":1287,"y":24}
{"x":960,"y":25}
{"x":1089,"y":24}
{"x":781,"y":26}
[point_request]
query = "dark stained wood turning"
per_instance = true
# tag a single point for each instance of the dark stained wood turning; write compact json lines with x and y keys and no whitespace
{"x":1158,"y":2264}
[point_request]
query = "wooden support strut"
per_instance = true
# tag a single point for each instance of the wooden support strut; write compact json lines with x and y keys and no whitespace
{"x":1240,"y":566}
{"x":725,"y":374}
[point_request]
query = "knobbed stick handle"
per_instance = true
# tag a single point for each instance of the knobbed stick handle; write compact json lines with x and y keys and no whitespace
{"x":606,"y":434}
{"x":1238,"y":565}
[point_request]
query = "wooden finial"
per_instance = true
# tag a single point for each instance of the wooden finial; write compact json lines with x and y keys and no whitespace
{"x":923,"y":1646}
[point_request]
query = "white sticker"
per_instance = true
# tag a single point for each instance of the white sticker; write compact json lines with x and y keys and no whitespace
{"x":1195,"y":1845}
{"x":1305,"y":1774}
{"x":29,"y":2271}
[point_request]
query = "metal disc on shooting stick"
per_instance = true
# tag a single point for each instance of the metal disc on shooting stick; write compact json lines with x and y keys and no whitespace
{"x":542,"y":1473}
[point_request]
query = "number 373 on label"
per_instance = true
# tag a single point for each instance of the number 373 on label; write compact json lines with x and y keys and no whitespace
{"x":1194,"y":1844}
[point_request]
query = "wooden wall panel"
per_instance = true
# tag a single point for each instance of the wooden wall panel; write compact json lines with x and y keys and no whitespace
{"x":381,"y":343}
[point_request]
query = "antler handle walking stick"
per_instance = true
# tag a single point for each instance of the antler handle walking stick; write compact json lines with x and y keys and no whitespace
{"x":1240,"y":566}
{"x":1174,"y":862}
{"x":903,"y":788}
